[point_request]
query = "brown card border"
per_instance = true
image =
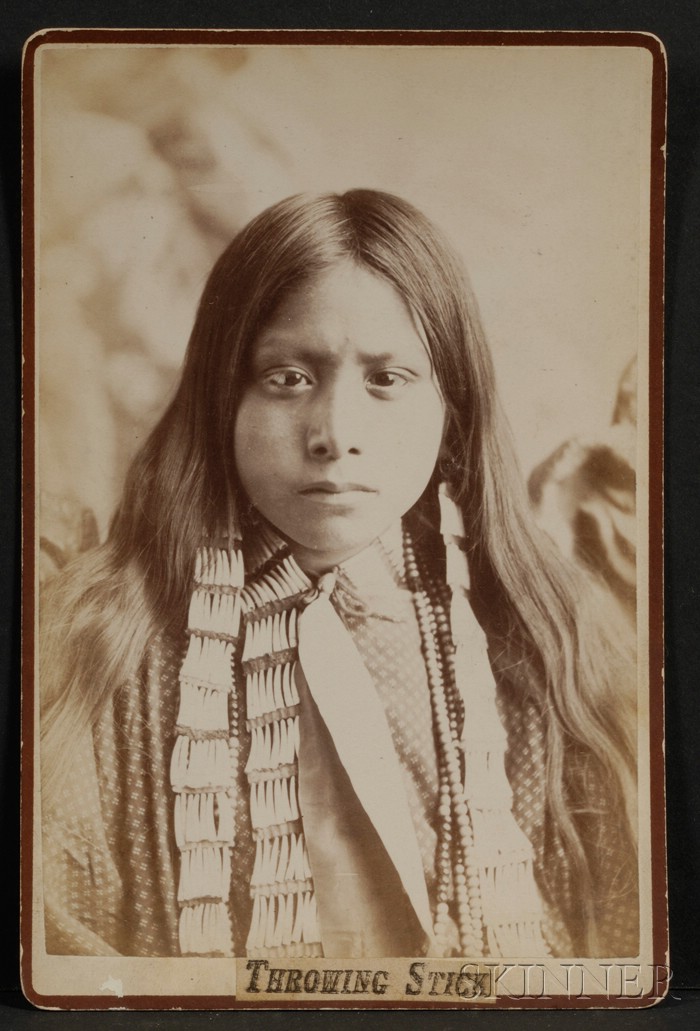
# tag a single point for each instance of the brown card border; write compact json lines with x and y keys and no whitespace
{"x":365,"y":37}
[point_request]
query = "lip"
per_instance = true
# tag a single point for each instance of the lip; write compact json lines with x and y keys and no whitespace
{"x":333,"y":488}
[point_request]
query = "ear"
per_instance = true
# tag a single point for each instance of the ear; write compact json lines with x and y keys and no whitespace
{"x":447,"y":465}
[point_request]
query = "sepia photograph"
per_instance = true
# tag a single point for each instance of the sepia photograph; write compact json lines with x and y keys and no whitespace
{"x":343,"y":360}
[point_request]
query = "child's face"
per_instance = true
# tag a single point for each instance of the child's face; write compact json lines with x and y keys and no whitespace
{"x":339,"y":429}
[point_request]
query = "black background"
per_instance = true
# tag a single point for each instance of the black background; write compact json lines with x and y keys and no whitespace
{"x":678,"y":26}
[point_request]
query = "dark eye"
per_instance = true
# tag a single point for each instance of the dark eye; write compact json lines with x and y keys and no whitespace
{"x":286,"y":380}
{"x":387,"y":381}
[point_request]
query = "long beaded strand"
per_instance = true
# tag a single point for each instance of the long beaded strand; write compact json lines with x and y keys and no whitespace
{"x":467,"y":871}
{"x":455,"y":866}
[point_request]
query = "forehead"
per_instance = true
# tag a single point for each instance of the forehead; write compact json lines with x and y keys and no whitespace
{"x":345,"y":304}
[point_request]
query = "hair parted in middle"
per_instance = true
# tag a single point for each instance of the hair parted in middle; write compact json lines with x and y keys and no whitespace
{"x":188,"y":462}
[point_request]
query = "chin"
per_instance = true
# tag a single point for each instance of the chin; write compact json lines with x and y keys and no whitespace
{"x":320,"y":552}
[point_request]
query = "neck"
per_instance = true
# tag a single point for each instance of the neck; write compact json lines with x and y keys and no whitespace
{"x":316,"y":563}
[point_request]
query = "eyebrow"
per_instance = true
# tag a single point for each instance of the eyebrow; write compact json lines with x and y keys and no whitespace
{"x":288,"y":349}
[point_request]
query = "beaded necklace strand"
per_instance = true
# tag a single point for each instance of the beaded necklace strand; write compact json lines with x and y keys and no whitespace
{"x":457,"y":873}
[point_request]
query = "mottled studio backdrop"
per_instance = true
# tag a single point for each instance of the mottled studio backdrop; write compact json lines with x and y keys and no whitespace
{"x":533,"y":160}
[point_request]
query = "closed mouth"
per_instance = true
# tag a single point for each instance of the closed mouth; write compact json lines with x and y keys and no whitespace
{"x":331,"y":488}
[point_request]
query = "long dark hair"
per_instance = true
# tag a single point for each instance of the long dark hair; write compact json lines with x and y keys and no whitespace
{"x":183,"y":483}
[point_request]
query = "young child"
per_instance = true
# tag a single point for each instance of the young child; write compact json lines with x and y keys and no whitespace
{"x":326,"y":690}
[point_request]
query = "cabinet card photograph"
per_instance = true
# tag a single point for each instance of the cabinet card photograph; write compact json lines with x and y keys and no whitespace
{"x":342,"y":555}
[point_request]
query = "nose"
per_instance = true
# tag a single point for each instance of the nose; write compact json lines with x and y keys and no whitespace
{"x":334,"y":425}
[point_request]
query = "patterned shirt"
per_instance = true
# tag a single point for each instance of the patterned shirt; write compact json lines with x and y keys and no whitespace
{"x":109,"y":855}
